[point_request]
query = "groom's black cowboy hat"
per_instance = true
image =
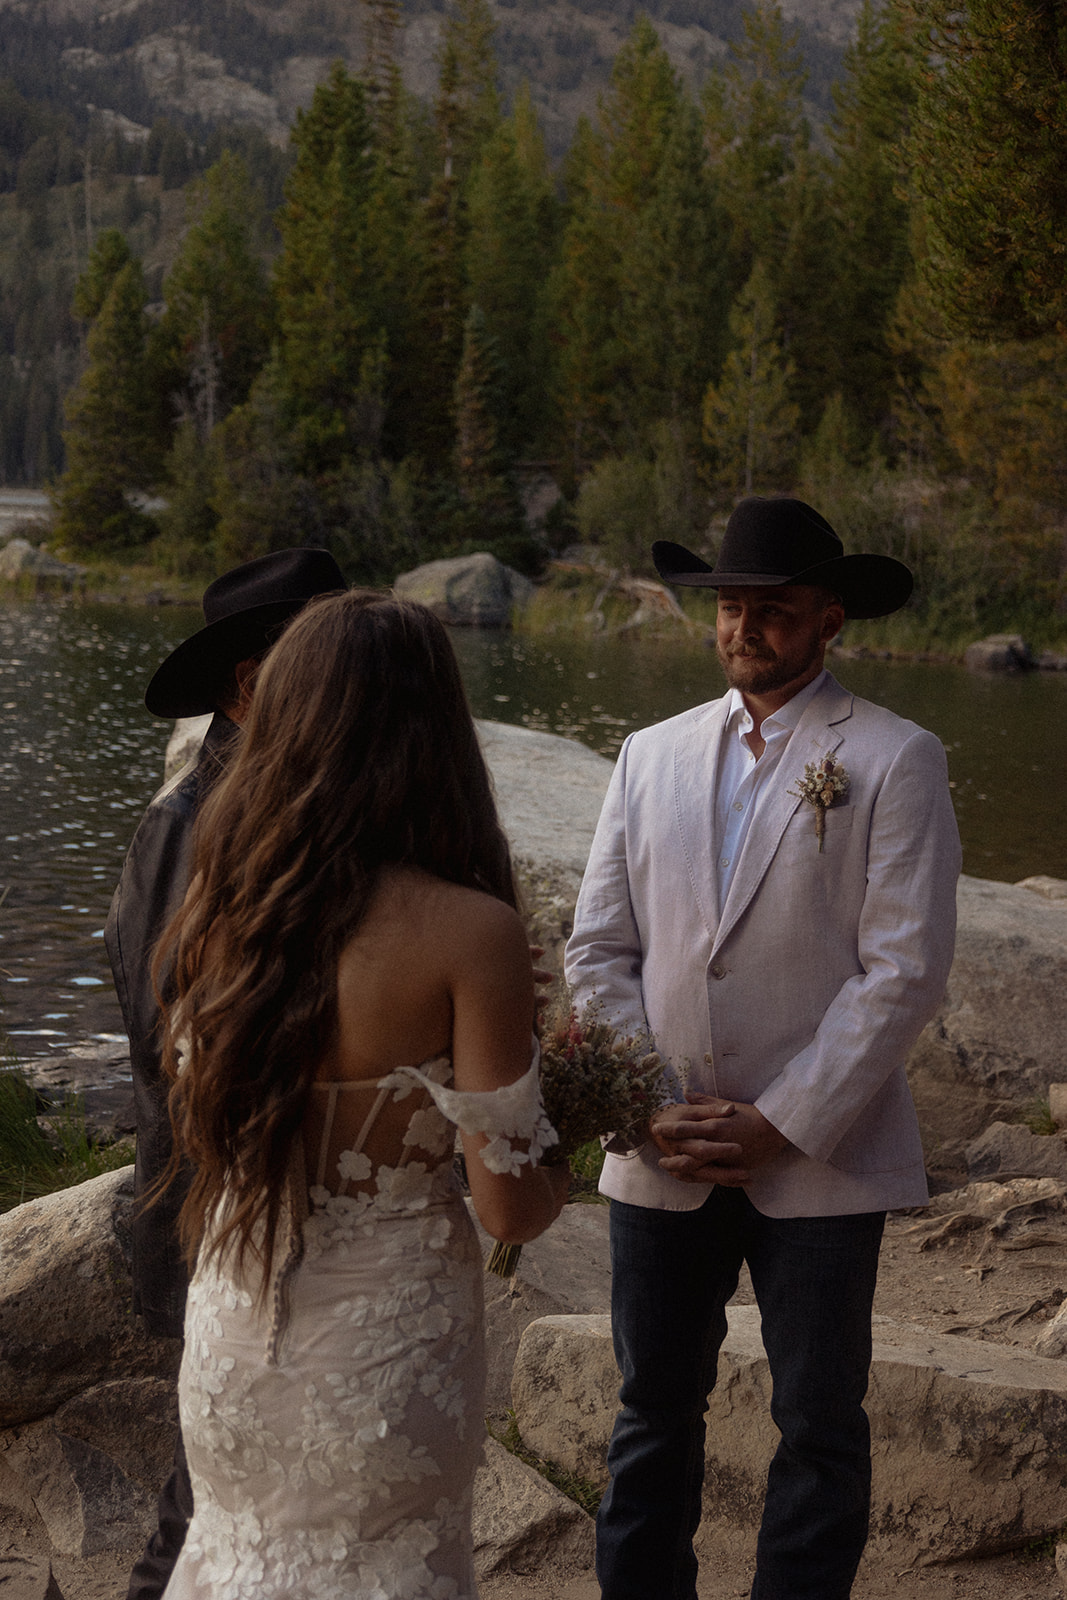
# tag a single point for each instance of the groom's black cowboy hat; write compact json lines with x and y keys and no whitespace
{"x":244,"y":611}
{"x":785,"y":541}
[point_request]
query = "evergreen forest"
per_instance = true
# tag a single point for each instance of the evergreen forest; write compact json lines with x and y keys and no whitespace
{"x":387,"y":337}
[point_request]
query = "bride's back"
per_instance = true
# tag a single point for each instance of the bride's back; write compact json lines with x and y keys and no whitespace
{"x":427,"y":956}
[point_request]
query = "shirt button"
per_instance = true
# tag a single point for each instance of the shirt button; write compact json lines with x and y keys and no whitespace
{"x":724,"y":861}
{"x":738,"y":805}
{"x":718,"y":970}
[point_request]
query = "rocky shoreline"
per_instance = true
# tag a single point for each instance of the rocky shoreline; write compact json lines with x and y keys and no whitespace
{"x":479,"y":591}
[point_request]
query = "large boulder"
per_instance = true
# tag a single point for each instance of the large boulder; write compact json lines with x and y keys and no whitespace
{"x":1000,"y":652}
{"x":85,"y":1501}
{"x":968,"y":1439}
{"x":1000,"y":1036}
{"x":475,"y":591}
{"x":66,"y":1312}
{"x":521,"y":1524}
{"x":1006,"y":1150}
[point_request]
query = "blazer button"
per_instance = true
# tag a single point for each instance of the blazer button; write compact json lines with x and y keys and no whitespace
{"x":718,"y":970}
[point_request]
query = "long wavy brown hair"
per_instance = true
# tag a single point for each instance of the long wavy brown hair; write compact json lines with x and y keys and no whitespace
{"x":359,"y":753}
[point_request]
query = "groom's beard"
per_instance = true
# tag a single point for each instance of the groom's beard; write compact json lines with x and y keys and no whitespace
{"x":757,"y":669}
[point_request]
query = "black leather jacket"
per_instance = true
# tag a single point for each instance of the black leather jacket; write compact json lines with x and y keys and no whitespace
{"x":154,"y":878}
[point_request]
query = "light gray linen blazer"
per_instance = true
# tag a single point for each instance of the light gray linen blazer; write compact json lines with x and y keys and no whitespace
{"x":810,"y":985}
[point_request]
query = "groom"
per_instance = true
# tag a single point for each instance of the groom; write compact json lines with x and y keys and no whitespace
{"x":771,"y":894}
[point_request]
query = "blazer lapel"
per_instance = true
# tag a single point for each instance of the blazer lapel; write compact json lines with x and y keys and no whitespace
{"x":814,"y":737}
{"x":696,"y":765}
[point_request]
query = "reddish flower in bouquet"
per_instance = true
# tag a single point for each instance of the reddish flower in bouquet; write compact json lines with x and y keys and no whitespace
{"x":594,"y":1082}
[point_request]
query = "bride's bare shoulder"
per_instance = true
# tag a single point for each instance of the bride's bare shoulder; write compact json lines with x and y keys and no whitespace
{"x":421,"y":901}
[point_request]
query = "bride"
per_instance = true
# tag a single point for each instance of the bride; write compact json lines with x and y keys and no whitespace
{"x":351,"y":984}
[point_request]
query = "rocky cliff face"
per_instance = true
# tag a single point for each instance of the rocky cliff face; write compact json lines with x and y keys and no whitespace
{"x":258,"y":61}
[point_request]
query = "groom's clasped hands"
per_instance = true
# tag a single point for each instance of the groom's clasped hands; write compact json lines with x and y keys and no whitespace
{"x":709,"y":1140}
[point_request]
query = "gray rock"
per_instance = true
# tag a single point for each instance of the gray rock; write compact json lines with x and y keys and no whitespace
{"x":66,"y":1317}
{"x":566,"y":1270}
{"x":85,"y":1501}
{"x":99,"y":1076}
{"x":134,"y":1421}
{"x":998,"y":1039}
{"x":27,"y":1578}
{"x":1000,"y":652}
{"x":469,"y":591}
{"x":1061,"y":1565}
{"x":521,"y":1524}
{"x":1048,"y":888}
{"x":1049,"y":661}
{"x":1006,"y":1150}
{"x":968,"y":1439}
{"x":1052,"y":1340}
{"x":549,"y":792}
{"x":565,"y":1392}
{"x":19,"y":559}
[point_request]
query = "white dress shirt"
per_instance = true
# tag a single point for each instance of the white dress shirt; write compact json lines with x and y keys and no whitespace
{"x":742,"y":777}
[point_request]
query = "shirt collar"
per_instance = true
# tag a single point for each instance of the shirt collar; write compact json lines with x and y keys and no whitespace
{"x":739,"y":718}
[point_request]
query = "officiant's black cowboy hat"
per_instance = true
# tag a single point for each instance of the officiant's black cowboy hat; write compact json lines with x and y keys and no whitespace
{"x":244,"y":611}
{"x":771,"y":541}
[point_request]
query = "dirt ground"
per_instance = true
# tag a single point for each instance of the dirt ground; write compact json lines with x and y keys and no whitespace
{"x":945,"y":1269}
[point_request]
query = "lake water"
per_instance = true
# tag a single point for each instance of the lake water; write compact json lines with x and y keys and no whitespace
{"x":80,"y":758}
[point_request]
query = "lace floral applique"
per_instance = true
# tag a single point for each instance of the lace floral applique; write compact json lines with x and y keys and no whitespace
{"x":512,"y":1117}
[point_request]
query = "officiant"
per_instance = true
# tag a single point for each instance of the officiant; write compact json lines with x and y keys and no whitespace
{"x":212,"y":672}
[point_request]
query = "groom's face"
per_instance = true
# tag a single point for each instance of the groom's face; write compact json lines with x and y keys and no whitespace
{"x":772,"y":639}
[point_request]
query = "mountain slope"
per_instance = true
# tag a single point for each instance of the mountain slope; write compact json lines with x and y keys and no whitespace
{"x":257,"y":61}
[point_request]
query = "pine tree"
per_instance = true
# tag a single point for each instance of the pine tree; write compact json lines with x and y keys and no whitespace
{"x":260,"y":499}
{"x":491,"y":511}
{"x":755,"y":128}
{"x":382,"y":21}
{"x":329,"y":300}
{"x":110,"y":254}
{"x":583,"y":297}
{"x":869,"y":243}
{"x":750,"y":422}
{"x":218,"y":312}
{"x":638,"y":305}
{"x":987,"y":151}
{"x":113,"y":435}
{"x":512,"y":213}
{"x":467,"y":108}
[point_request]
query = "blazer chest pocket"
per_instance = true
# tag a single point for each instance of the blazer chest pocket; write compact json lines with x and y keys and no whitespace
{"x":801,"y":837}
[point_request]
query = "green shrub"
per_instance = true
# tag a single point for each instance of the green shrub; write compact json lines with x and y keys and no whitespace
{"x":40,"y":1154}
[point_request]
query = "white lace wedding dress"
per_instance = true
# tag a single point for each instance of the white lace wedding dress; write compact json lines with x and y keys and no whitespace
{"x":333,"y":1436}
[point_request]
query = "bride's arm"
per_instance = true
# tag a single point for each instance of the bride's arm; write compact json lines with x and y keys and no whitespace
{"x":492,"y":988}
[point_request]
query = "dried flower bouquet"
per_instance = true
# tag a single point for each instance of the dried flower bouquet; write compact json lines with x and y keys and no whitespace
{"x":594,"y":1081}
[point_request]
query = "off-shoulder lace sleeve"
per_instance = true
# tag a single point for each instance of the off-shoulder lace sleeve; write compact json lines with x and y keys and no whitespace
{"x":512,"y":1118}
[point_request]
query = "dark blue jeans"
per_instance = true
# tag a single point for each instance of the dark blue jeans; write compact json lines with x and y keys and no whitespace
{"x":672,"y":1274}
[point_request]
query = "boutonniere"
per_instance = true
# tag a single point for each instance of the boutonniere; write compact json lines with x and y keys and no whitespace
{"x":824,"y":783}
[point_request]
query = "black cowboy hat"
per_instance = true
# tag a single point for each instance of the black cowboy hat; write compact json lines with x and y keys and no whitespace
{"x":785,"y":541}
{"x":244,"y":612}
